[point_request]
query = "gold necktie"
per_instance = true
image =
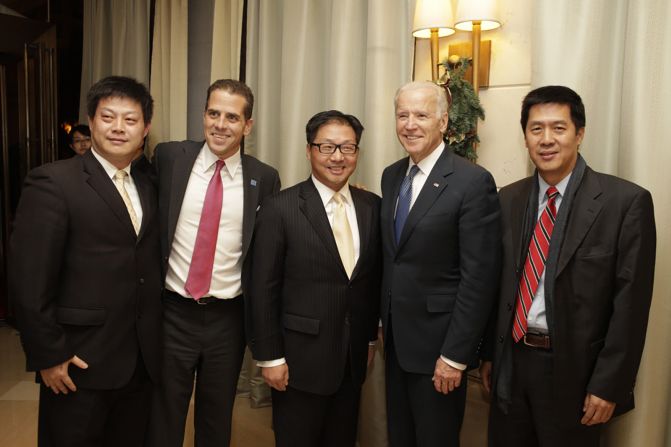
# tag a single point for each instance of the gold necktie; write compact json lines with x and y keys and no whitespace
{"x":119,"y":183}
{"x":343,"y":234}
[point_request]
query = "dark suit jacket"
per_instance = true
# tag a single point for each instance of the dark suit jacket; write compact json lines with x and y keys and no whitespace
{"x":304,"y":307}
{"x":82,"y":282}
{"x":602,"y":292}
{"x":173,"y":163}
{"x":440,"y":281}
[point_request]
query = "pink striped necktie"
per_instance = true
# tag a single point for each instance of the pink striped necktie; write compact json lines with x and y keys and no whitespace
{"x":200,"y":271}
{"x":534,"y":264}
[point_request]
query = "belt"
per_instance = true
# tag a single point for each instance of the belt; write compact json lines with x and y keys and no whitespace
{"x":538,"y":341}
{"x":177,"y":298}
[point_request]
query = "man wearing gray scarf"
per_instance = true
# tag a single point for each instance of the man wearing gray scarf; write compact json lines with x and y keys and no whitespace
{"x":575,"y":290}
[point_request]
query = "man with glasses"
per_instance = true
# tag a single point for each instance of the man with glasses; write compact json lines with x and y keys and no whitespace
{"x":314,"y":291}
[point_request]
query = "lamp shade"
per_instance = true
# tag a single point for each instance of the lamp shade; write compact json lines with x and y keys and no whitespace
{"x":432,"y":14}
{"x":485,"y":11}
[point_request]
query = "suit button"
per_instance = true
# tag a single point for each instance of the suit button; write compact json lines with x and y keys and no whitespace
{"x":141,"y":280}
{"x":500,"y":338}
{"x":510,"y":306}
{"x":347,"y":320}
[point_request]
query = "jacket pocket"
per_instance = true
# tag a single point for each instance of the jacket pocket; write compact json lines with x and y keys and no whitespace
{"x":78,"y":316}
{"x":440,"y":303}
{"x":301,"y":324}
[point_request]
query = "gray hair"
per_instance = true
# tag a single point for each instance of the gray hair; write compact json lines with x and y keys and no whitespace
{"x":441,"y":97}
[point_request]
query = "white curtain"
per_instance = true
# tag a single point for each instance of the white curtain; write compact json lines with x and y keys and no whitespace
{"x":616,"y":55}
{"x":306,"y":56}
{"x":169,"y":71}
{"x":226,"y":39}
{"x":115,"y":42}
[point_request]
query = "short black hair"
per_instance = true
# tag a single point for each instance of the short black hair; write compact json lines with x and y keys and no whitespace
{"x":554,"y":94}
{"x":82,"y":129}
{"x":120,"y":87}
{"x":332,"y":116}
{"x":233,"y":87}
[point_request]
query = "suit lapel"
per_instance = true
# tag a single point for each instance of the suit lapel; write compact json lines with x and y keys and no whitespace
{"x":584,"y":210}
{"x":396,"y":187}
{"x":312,"y":207}
{"x":363,"y":219}
{"x":181,"y":171}
{"x":250,"y":186}
{"x":102,"y":184}
{"x":434,"y":186}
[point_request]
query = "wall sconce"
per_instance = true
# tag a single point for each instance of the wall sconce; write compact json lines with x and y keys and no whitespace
{"x":477,"y":16}
{"x":433,"y":19}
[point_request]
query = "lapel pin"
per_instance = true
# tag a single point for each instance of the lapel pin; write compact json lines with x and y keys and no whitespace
{"x":252,"y":182}
{"x":436,"y":185}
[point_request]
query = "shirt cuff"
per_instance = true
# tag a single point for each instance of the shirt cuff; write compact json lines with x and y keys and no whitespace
{"x":459,"y":366}
{"x":271,"y":363}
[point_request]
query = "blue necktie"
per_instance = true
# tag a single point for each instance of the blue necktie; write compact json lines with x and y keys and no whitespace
{"x":404,"y":198}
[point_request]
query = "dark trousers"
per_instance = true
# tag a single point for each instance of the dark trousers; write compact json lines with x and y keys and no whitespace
{"x":205,"y":342}
{"x":418,"y":415}
{"x":302,"y":419}
{"x":93,"y":418}
{"x":532,"y":420}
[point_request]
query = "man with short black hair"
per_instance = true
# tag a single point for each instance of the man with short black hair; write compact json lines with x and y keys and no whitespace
{"x":315,"y":291}
{"x":79,"y":139}
{"x":575,"y":291}
{"x":85,"y":279}
{"x":209,"y":193}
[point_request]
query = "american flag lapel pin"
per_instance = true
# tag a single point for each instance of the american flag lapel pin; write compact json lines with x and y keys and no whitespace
{"x":436,"y":185}
{"x":253,"y":182}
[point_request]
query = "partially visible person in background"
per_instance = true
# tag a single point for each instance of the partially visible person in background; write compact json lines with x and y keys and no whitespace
{"x":79,"y":139}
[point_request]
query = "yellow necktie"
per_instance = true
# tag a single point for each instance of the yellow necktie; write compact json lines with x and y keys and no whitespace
{"x":343,"y":234}
{"x":119,"y":183}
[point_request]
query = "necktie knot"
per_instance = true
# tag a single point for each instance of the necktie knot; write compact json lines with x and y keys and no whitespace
{"x":552,"y":192}
{"x":120,"y":174}
{"x":338,"y":199}
{"x":414,"y":169}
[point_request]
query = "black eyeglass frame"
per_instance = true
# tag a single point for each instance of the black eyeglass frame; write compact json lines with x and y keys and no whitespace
{"x":336,"y":147}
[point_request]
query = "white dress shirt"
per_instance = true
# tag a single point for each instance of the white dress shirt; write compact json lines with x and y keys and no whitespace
{"x":128,"y":183}
{"x":425,"y":166}
{"x":536,"y":317}
{"x":227,"y":269}
{"x":326,"y":195}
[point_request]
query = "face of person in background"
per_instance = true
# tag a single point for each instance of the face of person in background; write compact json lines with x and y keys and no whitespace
{"x":333,"y":170}
{"x":80,"y":143}
{"x":224,"y":123}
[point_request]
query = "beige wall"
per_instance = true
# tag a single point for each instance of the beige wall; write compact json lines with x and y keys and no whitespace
{"x":502,"y":149}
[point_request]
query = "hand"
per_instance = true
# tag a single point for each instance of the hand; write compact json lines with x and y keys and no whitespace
{"x":445,"y":378}
{"x":486,"y":376}
{"x":371,"y":355}
{"x":276,"y":376}
{"x":57,"y":378}
{"x":597,"y":410}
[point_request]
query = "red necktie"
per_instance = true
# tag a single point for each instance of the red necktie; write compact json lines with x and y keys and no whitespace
{"x":200,"y":272}
{"x":534,"y":264}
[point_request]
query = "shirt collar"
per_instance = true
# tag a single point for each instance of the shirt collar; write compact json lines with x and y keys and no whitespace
{"x":109,"y":168}
{"x":427,"y":163}
{"x":327,"y":193}
{"x":543,"y":186}
{"x":208,"y":160}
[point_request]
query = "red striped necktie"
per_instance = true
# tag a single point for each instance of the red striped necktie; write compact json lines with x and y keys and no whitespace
{"x":534,"y":264}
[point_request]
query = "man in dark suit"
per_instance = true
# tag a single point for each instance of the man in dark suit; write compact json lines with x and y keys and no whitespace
{"x":441,"y":239}
{"x":208,"y":197}
{"x":576,"y":285}
{"x":315,"y":291}
{"x":86,"y":281}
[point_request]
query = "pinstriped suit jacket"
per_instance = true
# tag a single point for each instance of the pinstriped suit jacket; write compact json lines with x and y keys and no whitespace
{"x":303,"y":305}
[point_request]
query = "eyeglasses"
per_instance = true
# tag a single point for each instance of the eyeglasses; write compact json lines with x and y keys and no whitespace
{"x":330,"y":148}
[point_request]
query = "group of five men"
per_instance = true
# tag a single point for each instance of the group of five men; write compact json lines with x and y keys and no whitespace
{"x":130,"y":284}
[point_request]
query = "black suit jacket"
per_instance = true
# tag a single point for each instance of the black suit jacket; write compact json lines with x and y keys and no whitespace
{"x":602,"y":289}
{"x":82,"y":282}
{"x":304,"y":307}
{"x":439,"y":282}
{"x":173,"y":163}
